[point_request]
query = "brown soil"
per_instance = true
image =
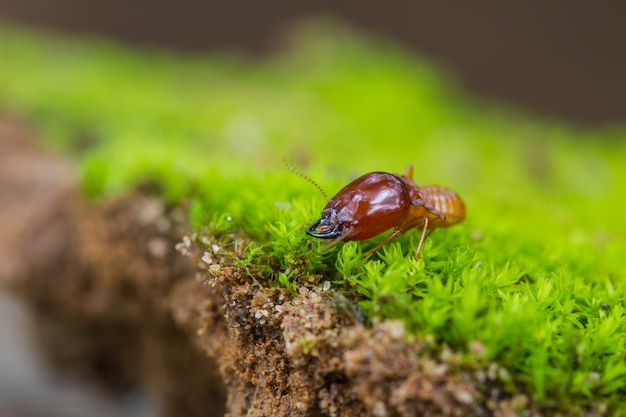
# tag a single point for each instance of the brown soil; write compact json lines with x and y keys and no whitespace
{"x":117,"y":303}
{"x":98,"y":278}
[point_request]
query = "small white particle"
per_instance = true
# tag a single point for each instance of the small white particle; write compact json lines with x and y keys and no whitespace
{"x":206,"y":258}
{"x":396,"y":330}
{"x":379,"y":409}
{"x":463,"y":396}
{"x":158,"y":247}
{"x":261,"y":313}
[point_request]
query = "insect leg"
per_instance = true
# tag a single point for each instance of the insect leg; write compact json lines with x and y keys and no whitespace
{"x":421,"y":242}
{"x":394,"y":235}
{"x":408,"y":172}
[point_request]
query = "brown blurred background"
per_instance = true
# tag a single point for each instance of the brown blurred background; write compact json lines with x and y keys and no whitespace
{"x":559,"y":59}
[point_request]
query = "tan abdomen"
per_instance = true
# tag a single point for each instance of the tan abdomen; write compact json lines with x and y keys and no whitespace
{"x":446,"y":202}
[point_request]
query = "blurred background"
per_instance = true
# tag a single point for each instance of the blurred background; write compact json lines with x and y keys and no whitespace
{"x":559,"y":60}
{"x":562,"y":59}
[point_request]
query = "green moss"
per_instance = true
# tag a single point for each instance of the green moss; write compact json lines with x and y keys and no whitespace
{"x":536,"y":274}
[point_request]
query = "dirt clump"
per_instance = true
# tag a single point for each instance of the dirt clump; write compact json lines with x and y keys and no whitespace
{"x":97,"y":276}
{"x":37,"y":197}
{"x":305,"y":354}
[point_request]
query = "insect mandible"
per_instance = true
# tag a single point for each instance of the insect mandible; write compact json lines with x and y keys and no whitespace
{"x":380,"y":201}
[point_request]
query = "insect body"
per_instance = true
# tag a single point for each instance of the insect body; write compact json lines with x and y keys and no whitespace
{"x":379,"y":201}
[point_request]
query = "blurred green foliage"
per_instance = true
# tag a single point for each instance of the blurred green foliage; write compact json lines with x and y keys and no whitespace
{"x":536,"y":274}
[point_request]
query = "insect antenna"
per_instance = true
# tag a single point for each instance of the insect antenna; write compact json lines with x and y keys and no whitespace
{"x":291,"y":168}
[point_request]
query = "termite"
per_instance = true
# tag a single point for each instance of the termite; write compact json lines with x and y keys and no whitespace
{"x":380,"y":201}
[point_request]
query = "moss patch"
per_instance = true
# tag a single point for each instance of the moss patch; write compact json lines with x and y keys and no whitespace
{"x":533,"y":280}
